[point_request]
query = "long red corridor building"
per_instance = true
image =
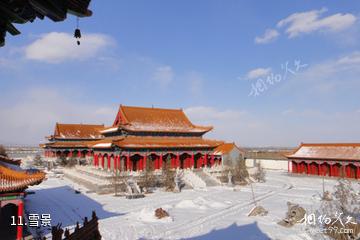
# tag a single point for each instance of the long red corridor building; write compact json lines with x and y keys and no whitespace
{"x":328,"y":159}
{"x":138,"y":136}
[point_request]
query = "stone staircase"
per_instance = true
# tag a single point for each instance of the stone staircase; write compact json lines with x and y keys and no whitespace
{"x":193,"y":180}
{"x":95,"y":180}
{"x":207,"y":178}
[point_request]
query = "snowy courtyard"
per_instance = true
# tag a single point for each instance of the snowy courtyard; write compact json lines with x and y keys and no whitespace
{"x":213,"y":213}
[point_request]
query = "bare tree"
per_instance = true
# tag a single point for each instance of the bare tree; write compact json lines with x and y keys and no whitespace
{"x":116,"y":182}
{"x":239,"y":170}
{"x":169,"y":174}
{"x":149,"y":179}
{"x":71,"y":162}
{"x":38,"y":160}
{"x":344,"y":205}
{"x":260,"y":173}
{"x":346,"y":198}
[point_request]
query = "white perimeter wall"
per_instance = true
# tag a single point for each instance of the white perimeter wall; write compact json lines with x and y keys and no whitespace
{"x":268,"y":163}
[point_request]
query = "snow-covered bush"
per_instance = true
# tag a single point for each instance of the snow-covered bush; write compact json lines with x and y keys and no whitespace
{"x":260,"y":173}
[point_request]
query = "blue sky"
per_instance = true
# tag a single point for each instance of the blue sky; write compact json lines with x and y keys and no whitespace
{"x":202,"y":56}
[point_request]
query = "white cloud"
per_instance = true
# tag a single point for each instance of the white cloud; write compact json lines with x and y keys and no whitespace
{"x":287,"y":128}
{"x":344,"y":65}
{"x":30,"y":117}
{"x":330,"y":80}
{"x":196,"y":81}
{"x":230,"y":125}
{"x":353,"y":58}
{"x":269,"y":35}
{"x":258,"y":72}
{"x":311,"y":21}
{"x":56,"y":47}
{"x":164,"y":75}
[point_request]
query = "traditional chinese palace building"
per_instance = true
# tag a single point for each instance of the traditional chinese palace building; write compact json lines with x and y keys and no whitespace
{"x":335,"y":160}
{"x":13,"y":182}
{"x":138,"y":136}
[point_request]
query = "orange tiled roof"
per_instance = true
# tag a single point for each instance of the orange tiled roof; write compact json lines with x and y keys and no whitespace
{"x":331,"y":151}
{"x":77,"y":131}
{"x":157,"y":142}
{"x":155,"y":120}
{"x":226,"y":148}
{"x":13,"y":178}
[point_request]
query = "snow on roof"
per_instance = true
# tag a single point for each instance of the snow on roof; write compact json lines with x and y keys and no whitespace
{"x":225,"y":148}
{"x":102,"y":145}
{"x":336,"y":151}
{"x":111,"y":129}
{"x":78,"y":131}
{"x":156,"y":120}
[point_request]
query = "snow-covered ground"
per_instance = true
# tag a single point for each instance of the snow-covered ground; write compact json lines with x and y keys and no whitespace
{"x":214,"y":213}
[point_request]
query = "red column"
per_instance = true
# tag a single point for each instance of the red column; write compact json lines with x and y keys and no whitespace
{"x":212,"y":161}
{"x":308,"y":167}
{"x":79,"y":154}
{"x":205,"y":160}
{"x":358,"y":172}
{"x":155,"y":162}
{"x":94,"y":161}
{"x":115,"y":163}
{"x":331,"y":170}
{"x":19,"y":229}
{"x":102,"y":161}
{"x":160,"y":161}
{"x":144,"y":161}
{"x":172,"y":162}
{"x":192,"y":160}
{"x":177,"y":163}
